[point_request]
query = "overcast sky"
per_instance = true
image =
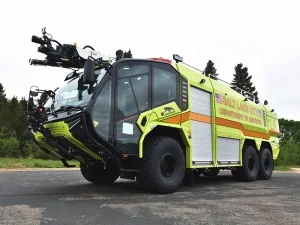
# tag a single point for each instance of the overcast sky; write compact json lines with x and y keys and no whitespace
{"x":263,"y":35}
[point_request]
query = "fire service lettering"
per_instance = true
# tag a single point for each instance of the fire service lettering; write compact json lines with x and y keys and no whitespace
{"x":241,"y":107}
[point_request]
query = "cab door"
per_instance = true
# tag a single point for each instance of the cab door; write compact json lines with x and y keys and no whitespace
{"x":132,"y":97}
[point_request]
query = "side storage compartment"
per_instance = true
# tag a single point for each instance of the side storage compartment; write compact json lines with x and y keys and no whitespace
{"x":202,"y":142}
{"x":228,"y":151}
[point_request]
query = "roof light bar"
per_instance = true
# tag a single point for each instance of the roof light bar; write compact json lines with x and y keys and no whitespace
{"x":162,"y":59}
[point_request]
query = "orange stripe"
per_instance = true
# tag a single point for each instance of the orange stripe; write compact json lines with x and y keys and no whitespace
{"x":274,"y":132}
{"x":174,"y":119}
{"x":237,"y":125}
{"x":186,"y":116}
{"x":200,"y":118}
{"x":219,"y":121}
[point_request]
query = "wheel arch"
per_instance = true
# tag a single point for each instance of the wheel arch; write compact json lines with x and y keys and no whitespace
{"x":175,"y":131}
{"x":266,"y":144}
{"x":250,"y":142}
{"x":259,"y":145}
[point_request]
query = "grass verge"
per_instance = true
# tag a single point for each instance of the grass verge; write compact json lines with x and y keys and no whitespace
{"x":285,"y":168}
{"x":8,"y":163}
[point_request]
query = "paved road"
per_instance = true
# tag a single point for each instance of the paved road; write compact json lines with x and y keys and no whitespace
{"x":64,"y":197}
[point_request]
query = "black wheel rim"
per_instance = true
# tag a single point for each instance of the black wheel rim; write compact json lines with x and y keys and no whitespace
{"x":266,"y":163}
{"x":251,"y":163}
{"x":167,"y":165}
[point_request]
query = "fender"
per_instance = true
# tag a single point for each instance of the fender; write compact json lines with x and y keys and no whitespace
{"x":153,"y":124}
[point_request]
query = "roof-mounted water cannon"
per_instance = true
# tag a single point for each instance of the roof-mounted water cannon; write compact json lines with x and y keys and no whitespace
{"x":65,"y":55}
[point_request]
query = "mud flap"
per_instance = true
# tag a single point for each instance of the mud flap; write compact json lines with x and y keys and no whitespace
{"x":188,"y":179}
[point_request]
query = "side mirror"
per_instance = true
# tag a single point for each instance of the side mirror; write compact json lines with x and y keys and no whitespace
{"x":89,"y":72}
{"x":265,"y":102}
{"x":34,"y":93}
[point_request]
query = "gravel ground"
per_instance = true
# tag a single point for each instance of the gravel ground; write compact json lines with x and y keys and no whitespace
{"x":64,"y":197}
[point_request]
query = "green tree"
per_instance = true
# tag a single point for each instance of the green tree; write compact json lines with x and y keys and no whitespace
{"x":127,"y":54}
{"x":289,"y":131}
{"x":18,"y":123}
{"x":3,"y":110}
{"x":43,"y":98}
{"x":289,"y":154}
{"x":211,"y":70}
{"x":242,"y":80}
{"x":2,"y":94}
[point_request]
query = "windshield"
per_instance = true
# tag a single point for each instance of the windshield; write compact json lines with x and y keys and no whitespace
{"x":74,"y":92}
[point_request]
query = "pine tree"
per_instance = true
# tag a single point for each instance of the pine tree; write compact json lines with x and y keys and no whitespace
{"x":3,"y":111}
{"x":3,"y":99}
{"x":243,"y":80}
{"x":21,"y":127}
{"x":127,"y":54}
{"x":211,"y":70}
{"x":43,"y":99}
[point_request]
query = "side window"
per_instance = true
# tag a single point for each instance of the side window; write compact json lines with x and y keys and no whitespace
{"x":126,"y":102}
{"x":129,"y":69}
{"x":164,"y":84}
{"x":102,"y":109}
{"x":140,"y":88}
{"x":132,"y":91}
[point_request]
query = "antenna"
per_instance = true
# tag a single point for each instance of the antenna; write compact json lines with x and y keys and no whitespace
{"x":195,"y":68}
{"x":178,"y":58}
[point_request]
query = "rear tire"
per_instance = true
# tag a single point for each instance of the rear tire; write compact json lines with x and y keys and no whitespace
{"x":249,"y":171}
{"x":96,"y":173}
{"x":265,"y":164}
{"x":162,"y":167}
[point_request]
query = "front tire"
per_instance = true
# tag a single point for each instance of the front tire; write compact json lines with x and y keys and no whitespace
{"x":96,"y":173}
{"x":265,"y":164}
{"x":162,"y":167}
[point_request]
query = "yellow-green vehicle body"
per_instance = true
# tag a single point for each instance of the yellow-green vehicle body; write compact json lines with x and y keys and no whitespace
{"x":216,"y":123}
{"x":212,"y":122}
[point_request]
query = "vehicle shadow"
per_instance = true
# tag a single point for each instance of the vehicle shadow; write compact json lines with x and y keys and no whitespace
{"x":130,"y":187}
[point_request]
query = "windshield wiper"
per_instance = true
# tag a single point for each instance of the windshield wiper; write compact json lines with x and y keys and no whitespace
{"x":67,"y":108}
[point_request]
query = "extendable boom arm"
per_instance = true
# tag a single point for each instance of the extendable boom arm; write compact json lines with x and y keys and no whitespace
{"x":65,"y":55}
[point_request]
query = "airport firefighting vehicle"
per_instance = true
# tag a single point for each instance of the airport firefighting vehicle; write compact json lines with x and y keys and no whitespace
{"x":158,"y":121}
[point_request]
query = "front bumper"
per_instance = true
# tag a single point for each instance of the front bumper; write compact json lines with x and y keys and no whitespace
{"x":72,"y":138}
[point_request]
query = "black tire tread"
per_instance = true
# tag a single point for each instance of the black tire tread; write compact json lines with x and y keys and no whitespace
{"x":241,"y":172}
{"x":262,"y":174}
{"x":146,"y":177}
{"x":97,"y":175}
